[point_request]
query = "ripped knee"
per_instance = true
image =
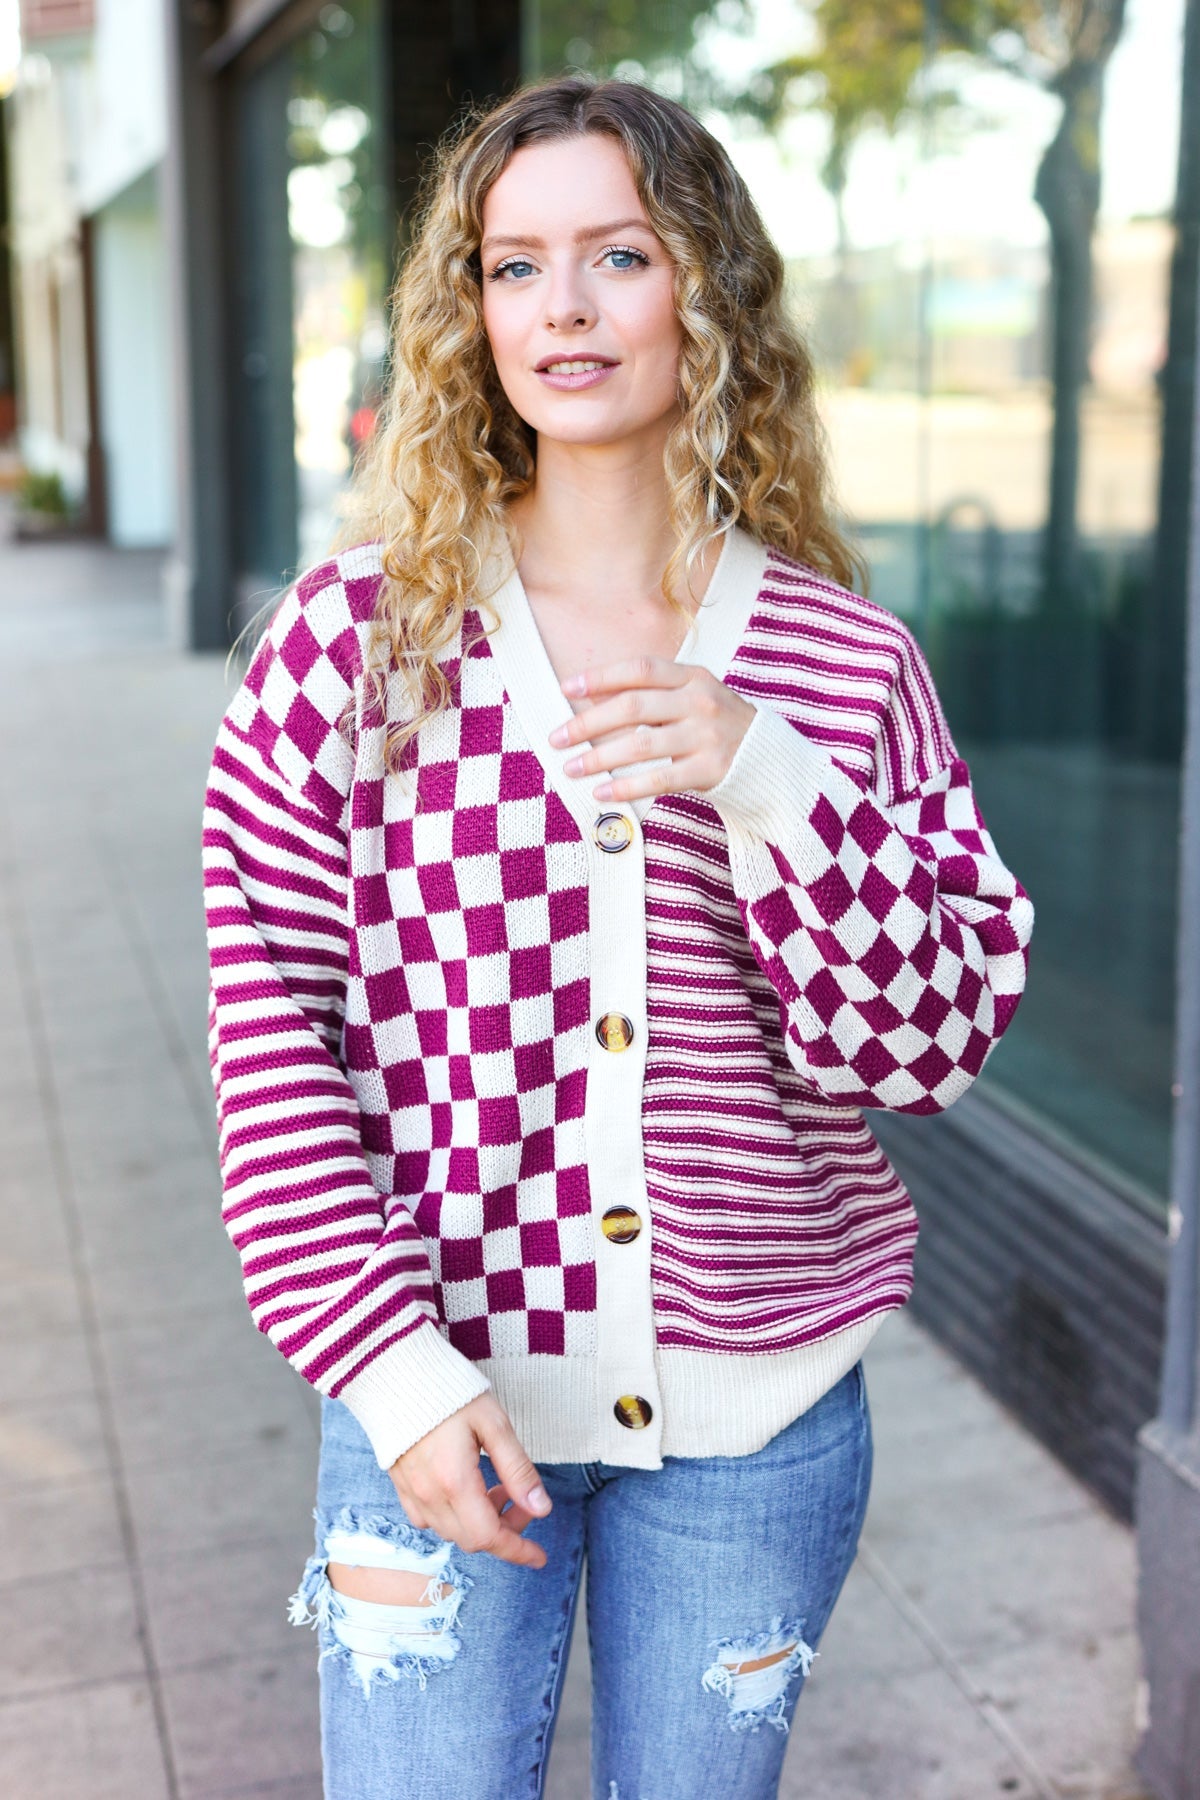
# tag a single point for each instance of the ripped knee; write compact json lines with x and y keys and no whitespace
{"x":392,"y":1586}
{"x":384,"y":1595}
{"x":755,"y":1674}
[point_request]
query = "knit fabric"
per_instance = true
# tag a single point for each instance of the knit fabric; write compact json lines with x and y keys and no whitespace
{"x":421,"y":1120}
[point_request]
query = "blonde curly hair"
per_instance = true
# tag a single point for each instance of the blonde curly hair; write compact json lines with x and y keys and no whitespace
{"x":449,"y":452}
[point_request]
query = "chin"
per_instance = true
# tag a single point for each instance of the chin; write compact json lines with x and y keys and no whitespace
{"x":589,"y":431}
{"x":583,"y":431}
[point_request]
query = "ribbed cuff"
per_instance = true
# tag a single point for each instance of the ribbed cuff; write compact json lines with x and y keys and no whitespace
{"x":409,"y":1388}
{"x":774,"y":781}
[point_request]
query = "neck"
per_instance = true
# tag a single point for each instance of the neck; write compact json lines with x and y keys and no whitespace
{"x":596,"y":521}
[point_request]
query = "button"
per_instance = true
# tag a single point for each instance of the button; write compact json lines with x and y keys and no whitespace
{"x":614,"y":1031}
{"x":613,"y":832}
{"x":620,"y":1224}
{"x":633,"y":1411}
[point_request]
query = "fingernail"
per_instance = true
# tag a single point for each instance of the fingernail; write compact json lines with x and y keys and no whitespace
{"x":538,"y":1499}
{"x":602,"y":792}
{"x":572,"y":684}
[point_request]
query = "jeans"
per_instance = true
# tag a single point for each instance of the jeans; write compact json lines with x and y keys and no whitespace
{"x":694,"y":1571}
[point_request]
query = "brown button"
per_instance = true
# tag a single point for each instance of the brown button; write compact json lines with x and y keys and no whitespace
{"x":613,"y":832}
{"x":620,"y":1224}
{"x":614,"y":1031}
{"x":633,"y":1411}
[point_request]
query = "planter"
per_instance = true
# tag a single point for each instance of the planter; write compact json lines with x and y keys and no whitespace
{"x":44,"y":527}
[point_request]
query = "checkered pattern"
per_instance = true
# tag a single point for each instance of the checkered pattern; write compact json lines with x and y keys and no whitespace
{"x":432,"y":931}
{"x":399,"y":1002}
{"x":896,"y":939}
{"x":298,"y":684}
{"x":868,"y":885}
{"x":467,"y":1019}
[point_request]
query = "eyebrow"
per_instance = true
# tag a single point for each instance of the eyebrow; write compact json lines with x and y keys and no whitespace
{"x":581,"y":237}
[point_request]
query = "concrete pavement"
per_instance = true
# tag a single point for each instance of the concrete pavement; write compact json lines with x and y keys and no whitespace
{"x":157,"y":1457}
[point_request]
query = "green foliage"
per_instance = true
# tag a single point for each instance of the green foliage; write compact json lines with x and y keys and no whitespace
{"x":863,"y":69}
{"x":602,"y":35}
{"x":41,"y":491}
{"x":337,"y":74}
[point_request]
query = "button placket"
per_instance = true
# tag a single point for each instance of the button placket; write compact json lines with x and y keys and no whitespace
{"x":628,"y":1384}
{"x":612,"y":1123}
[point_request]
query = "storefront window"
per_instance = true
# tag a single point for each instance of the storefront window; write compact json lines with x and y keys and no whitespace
{"x":984,"y":271}
{"x":314,"y":234}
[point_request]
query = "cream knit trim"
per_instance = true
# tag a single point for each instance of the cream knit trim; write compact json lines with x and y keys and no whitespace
{"x":712,"y":1405}
{"x":625,"y":1358}
{"x":409,"y":1388}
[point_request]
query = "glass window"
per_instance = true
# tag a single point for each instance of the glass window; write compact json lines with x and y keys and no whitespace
{"x":312,"y":269}
{"x":984,"y":270}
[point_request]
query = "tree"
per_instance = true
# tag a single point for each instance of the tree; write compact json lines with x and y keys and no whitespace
{"x":603,"y":36}
{"x":861,"y":74}
{"x":872,"y":66}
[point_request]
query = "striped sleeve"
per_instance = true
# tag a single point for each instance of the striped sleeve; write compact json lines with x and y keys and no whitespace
{"x":336,"y":1274}
{"x":893,"y":934}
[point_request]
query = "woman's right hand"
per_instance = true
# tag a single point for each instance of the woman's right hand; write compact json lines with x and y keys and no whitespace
{"x":441,"y":1488}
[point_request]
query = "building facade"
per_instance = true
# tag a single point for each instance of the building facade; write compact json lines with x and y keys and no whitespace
{"x":990,"y":215}
{"x":86,"y":124}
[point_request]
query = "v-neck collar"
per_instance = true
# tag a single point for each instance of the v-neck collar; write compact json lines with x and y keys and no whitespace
{"x":528,"y":675}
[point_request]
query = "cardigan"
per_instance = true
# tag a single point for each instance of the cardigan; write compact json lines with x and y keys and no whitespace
{"x":522,"y":1091}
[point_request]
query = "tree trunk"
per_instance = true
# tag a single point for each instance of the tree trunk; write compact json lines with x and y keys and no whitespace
{"x":840,"y":336}
{"x":1068,"y":191}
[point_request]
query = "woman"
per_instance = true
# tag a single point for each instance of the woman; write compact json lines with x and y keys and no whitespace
{"x":582,"y":856}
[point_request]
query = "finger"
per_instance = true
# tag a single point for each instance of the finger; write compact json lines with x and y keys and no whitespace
{"x":514,"y":1516}
{"x":517,"y":1473}
{"x":631,"y":707}
{"x":641,"y":745}
{"x":478,"y":1527}
{"x":677,"y":777}
{"x":632,"y":671}
{"x":457,"y":1524}
{"x":462,"y":1515}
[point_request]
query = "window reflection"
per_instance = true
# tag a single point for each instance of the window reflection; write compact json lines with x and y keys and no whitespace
{"x":313,"y":230}
{"x":975,"y":200}
{"x":337,"y":213}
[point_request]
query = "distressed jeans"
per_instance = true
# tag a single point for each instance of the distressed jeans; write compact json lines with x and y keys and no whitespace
{"x":709,"y":1584}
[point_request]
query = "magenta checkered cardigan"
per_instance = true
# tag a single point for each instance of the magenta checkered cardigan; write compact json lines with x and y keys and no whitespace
{"x":513,"y":1095}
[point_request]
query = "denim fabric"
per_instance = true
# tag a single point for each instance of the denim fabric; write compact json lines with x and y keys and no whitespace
{"x":692,"y":1569}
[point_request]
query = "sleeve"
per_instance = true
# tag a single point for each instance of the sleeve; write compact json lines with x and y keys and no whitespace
{"x":336,"y":1274}
{"x":893,"y":935}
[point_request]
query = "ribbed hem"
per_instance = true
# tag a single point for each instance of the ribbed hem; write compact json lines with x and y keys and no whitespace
{"x":774,"y":781}
{"x":712,"y":1405}
{"x":733,"y":1405}
{"x":409,"y":1388}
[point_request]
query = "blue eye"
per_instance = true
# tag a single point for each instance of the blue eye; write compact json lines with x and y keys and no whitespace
{"x":623,"y":250}
{"x":514,"y":262}
{"x":635,"y":258}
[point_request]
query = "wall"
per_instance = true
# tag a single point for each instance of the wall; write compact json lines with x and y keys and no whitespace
{"x":88,"y":120}
{"x":135,"y":387}
{"x":126,"y":124}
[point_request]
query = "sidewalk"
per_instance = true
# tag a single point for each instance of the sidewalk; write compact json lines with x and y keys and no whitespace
{"x":157,"y":1457}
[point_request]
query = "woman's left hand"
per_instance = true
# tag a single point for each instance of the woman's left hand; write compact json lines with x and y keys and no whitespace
{"x":651,"y":706}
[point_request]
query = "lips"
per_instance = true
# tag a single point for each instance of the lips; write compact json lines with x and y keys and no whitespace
{"x":566,"y":356}
{"x":579,"y":376}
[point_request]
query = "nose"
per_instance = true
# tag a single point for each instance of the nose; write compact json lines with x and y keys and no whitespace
{"x":568,"y":307}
